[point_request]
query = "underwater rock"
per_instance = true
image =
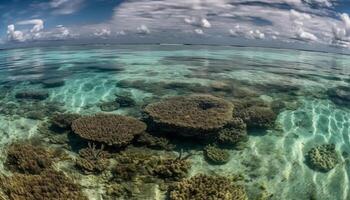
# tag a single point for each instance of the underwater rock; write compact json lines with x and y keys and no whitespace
{"x":322,"y":158}
{"x":109,"y":106}
{"x":197,"y":115}
{"x":64,"y":120}
{"x":340,"y":95}
{"x":52,"y":83}
{"x":257,"y":116}
{"x":202,"y":187}
{"x":154,"y":142}
{"x":49,"y":184}
{"x":27,"y":158}
{"x":92,"y":160}
{"x":215,"y":155}
{"x":125,"y":101}
{"x":115,"y":130}
{"x":233,"y":134}
{"x":34,"y":95}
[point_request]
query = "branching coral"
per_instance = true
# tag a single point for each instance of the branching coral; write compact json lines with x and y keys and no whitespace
{"x":138,"y":164}
{"x":172,"y":168}
{"x":47,"y":185}
{"x":207,"y":187}
{"x":27,"y":158}
{"x":215,"y":155}
{"x":323,"y":157}
{"x":92,"y":160}
{"x":154,"y":142}
{"x":109,"y":129}
{"x":197,"y":115}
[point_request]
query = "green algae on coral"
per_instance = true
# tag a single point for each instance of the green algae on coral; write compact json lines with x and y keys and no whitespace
{"x":114,"y":130}
{"x":215,"y":155}
{"x":207,"y":187}
{"x":322,"y":158}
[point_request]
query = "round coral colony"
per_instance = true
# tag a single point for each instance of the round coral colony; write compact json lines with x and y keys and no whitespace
{"x":113,"y":130}
{"x":196,"y":115}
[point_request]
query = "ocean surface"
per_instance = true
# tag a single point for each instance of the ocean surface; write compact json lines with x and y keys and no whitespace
{"x":308,"y":91}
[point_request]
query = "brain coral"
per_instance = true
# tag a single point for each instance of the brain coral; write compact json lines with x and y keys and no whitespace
{"x":323,"y":157}
{"x":207,"y":187}
{"x":110,"y":129}
{"x":195,"y":115}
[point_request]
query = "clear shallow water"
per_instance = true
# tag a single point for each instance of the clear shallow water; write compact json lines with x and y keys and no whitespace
{"x":273,"y":159}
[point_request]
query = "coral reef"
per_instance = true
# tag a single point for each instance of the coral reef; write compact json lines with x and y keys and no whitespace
{"x":34,"y":95}
{"x":216,"y":155}
{"x":154,"y":142}
{"x":27,"y":158}
{"x":109,"y":129}
{"x":340,"y":95}
{"x":63,"y":121}
{"x":109,"y":106}
{"x":124,"y":100}
{"x":322,"y":158}
{"x":52,"y":83}
{"x":145,"y":165}
{"x":257,"y":116}
{"x":197,"y":115}
{"x":233,"y":134}
{"x":92,"y":160}
{"x":47,"y":185}
{"x":172,"y":168}
{"x":207,"y":187}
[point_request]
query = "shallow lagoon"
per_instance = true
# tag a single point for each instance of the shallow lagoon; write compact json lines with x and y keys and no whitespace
{"x":308,"y":91}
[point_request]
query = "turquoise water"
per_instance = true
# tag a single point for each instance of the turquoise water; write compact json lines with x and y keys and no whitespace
{"x":78,"y":79}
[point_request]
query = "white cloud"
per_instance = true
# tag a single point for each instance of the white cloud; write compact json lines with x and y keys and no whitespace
{"x":13,"y":35}
{"x":303,"y":35}
{"x":255,"y":34}
{"x":38,"y":24}
{"x":143,"y":29}
{"x":203,"y":22}
{"x":61,"y":7}
{"x":105,"y":32}
{"x":199,"y":31}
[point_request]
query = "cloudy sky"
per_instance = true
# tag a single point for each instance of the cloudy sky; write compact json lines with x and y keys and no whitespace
{"x":264,"y":22}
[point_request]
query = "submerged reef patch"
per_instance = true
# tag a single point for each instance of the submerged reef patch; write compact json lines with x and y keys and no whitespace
{"x":92,"y":160}
{"x":233,"y":134}
{"x":63,"y":120}
{"x":207,"y":187}
{"x":255,"y":116}
{"x":109,"y":106}
{"x":340,"y":95}
{"x":323,"y":157}
{"x":27,"y":158}
{"x":215,"y":155}
{"x":115,"y":130}
{"x":33,"y":95}
{"x":197,"y":115}
{"x":49,"y":184}
{"x":154,"y":142}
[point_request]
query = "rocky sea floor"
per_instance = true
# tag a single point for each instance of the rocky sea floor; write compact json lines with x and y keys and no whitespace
{"x":174,"y":122}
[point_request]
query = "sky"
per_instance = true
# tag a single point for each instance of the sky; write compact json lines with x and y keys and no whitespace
{"x":311,"y":24}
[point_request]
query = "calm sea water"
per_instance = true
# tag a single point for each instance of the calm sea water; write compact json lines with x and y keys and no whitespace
{"x":79,"y":79}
